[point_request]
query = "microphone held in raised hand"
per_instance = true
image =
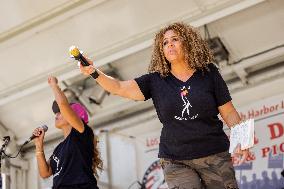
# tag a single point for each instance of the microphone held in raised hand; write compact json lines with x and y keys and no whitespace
{"x":78,"y":55}
{"x":44,"y":127}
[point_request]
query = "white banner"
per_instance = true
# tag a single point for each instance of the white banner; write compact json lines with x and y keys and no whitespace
{"x":263,"y":166}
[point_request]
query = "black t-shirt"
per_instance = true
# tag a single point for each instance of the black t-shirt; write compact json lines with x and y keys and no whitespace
{"x":71,"y":161}
{"x":188,"y":111}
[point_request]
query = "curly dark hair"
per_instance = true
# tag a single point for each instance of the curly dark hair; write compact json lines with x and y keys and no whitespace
{"x":97,"y":161}
{"x":197,"y":52}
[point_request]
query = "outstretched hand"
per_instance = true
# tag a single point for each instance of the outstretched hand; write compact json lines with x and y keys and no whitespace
{"x":86,"y":70}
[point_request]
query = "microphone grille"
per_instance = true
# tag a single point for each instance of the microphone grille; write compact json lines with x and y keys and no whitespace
{"x":45,"y":128}
{"x":74,"y":51}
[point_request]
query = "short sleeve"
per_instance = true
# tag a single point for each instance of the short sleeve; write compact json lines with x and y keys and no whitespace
{"x":86,"y":135}
{"x":221,"y":91}
{"x":144,"y":83}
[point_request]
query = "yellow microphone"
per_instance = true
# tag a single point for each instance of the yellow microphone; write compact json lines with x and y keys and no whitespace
{"x":78,"y":55}
{"x":74,"y":51}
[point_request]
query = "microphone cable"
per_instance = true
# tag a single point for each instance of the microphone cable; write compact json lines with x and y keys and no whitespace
{"x":10,"y":156}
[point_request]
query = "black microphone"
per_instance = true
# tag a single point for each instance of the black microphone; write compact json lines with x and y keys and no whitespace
{"x":77,"y":54}
{"x":44,"y":127}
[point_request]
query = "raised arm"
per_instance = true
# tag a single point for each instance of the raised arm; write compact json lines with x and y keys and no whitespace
{"x":69,"y":115}
{"x":128,"y":89}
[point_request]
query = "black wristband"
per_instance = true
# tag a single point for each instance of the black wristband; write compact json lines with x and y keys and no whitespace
{"x":95,"y":74}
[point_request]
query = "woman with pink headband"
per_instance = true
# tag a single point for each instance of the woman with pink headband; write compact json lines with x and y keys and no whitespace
{"x":76,"y":159}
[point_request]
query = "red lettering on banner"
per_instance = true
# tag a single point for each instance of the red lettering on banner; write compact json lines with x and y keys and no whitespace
{"x":243,"y":116}
{"x":236,"y":159}
{"x":274,"y":127}
{"x":251,"y":114}
{"x":265,"y":151}
{"x":152,"y":142}
{"x":264,"y":110}
{"x":250,"y":157}
{"x":275,"y":149}
{"x":282,"y":147}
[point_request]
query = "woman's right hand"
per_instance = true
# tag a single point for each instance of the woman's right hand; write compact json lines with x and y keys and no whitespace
{"x":38,"y":140}
{"x":87,"y":70}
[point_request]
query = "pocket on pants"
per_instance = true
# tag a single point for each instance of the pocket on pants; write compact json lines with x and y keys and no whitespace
{"x":171,"y":167}
{"x":164,"y":162}
{"x":179,"y":175}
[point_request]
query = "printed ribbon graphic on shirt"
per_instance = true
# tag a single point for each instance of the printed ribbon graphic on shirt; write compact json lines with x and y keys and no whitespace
{"x":185,"y":114}
{"x":56,"y":159}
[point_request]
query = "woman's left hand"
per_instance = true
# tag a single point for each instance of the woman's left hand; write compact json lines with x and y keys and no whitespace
{"x":241,"y":154}
{"x":52,"y":81}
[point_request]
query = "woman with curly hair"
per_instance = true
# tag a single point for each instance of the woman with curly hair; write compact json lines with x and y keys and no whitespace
{"x":75,"y":160}
{"x":188,"y":93}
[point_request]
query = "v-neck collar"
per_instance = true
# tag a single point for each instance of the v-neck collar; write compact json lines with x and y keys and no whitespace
{"x":183,"y":82}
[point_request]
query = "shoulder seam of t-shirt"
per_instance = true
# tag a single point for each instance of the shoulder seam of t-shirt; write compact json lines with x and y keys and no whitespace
{"x":140,"y":82}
